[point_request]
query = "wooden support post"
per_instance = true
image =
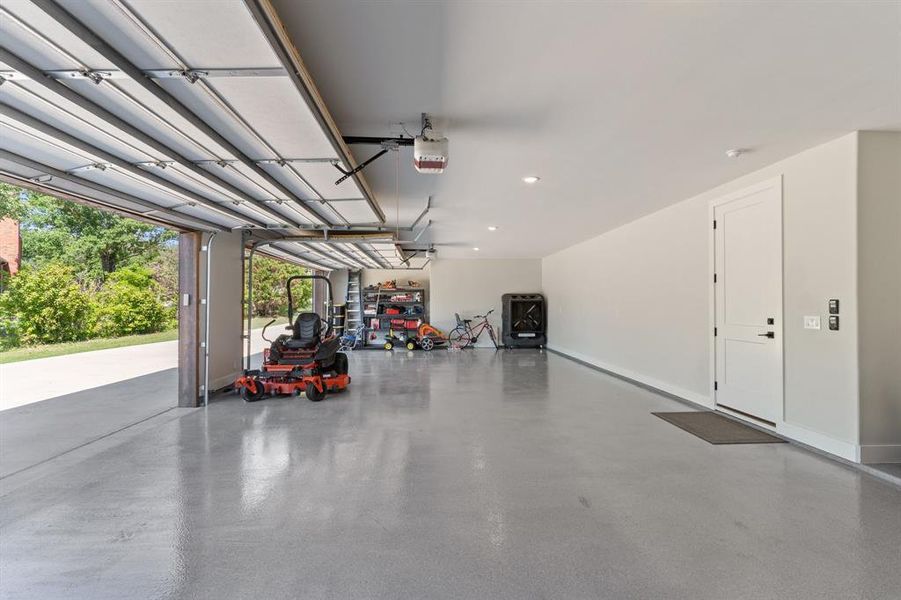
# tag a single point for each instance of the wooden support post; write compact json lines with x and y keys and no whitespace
{"x":189,"y":320}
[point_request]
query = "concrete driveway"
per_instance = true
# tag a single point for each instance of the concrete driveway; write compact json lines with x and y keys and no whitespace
{"x":30,"y":381}
{"x":65,"y":406}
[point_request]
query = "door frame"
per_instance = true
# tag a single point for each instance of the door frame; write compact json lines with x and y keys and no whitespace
{"x":779,"y":327}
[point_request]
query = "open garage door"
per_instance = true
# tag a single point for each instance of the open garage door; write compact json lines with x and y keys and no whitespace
{"x":201,"y":118}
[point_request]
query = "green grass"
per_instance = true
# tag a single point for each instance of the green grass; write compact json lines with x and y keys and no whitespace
{"x":46,"y":351}
{"x":258,"y":322}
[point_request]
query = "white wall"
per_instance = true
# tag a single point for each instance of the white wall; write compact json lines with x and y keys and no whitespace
{"x":635,"y":300}
{"x":338,"y":280}
{"x":879,"y":295}
{"x":226,"y":308}
{"x":474,"y":286}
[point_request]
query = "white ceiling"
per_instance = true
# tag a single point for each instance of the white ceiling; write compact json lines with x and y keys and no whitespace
{"x":621,"y":108}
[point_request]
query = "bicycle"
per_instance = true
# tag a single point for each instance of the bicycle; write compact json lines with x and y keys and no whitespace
{"x":465,"y":334}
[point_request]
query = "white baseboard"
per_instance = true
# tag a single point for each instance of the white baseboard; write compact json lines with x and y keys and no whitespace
{"x":847,"y":450}
{"x":880,"y":453}
{"x":691,"y":396}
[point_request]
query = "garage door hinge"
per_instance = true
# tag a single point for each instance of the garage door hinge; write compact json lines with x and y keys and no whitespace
{"x":714,"y":278}
{"x":715,"y":385}
{"x":714,"y":332}
{"x":714,"y":223}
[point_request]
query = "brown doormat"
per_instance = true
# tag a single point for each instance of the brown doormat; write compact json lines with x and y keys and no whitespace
{"x":717,"y":429}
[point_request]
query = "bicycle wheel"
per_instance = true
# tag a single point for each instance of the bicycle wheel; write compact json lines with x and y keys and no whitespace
{"x":493,"y":339}
{"x":460,"y":337}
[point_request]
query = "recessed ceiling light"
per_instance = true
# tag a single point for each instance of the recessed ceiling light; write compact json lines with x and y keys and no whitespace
{"x":476,"y":248}
{"x":531,"y":178}
{"x":492,"y":228}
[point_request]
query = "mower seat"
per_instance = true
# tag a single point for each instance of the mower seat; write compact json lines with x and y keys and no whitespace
{"x":306,"y":332}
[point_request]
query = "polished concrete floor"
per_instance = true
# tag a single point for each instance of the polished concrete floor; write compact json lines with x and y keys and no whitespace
{"x":34,"y":433}
{"x":446,"y":475}
{"x":85,"y":399}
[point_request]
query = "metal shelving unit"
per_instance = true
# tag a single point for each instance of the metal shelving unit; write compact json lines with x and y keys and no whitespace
{"x":375,"y":301}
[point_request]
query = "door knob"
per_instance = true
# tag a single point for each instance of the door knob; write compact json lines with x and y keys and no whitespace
{"x":768,"y":334}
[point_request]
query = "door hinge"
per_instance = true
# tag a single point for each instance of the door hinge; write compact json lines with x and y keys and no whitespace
{"x":714,"y":332}
{"x":715,"y":385}
{"x":714,"y":223}
{"x":714,"y":278}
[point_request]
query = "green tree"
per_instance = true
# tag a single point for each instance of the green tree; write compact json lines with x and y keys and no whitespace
{"x":129,"y":303}
{"x":165,"y":272}
{"x":45,"y":305}
{"x":269,"y":295}
{"x":12,"y":201}
{"x":93,"y":242}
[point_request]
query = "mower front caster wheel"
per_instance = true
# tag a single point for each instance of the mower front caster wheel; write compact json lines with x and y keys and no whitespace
{"x":313,"y":394}
{"x":254,"y":396}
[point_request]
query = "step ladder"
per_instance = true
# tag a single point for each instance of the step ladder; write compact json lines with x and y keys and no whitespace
{"x":354,"y":316}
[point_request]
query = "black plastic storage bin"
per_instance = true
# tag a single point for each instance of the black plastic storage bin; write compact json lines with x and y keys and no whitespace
{"x":524,"y":321}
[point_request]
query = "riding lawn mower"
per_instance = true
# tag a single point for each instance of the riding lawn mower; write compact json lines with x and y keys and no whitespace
{"x":306,"y":360}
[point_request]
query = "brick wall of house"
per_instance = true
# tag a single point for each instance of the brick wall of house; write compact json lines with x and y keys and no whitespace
{"x":10,"y":243}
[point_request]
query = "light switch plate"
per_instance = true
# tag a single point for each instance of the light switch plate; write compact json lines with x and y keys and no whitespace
{"x":811,"y":321}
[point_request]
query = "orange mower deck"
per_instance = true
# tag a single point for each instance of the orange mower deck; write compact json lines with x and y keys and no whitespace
{"x":292,"y":385}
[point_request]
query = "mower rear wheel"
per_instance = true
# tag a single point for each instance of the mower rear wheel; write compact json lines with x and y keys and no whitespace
{"x":253,"y":396}
{"x":388,"y":345}
{"x":340,"y":365}
{"x":313,"y":394}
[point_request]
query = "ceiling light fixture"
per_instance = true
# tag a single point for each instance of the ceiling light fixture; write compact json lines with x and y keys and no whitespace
{"x":735,"y":152}
{"x":531,"y":179}
{"x":476,"y":248}
{"x":492,"y":228}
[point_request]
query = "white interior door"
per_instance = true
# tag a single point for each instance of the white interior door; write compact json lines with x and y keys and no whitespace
{"x":748,"y":301}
